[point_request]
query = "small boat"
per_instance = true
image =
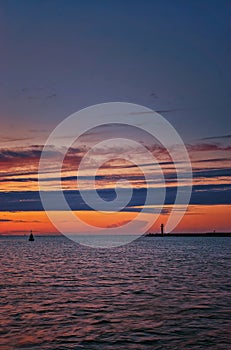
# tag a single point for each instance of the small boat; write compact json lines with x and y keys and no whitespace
{"x":31,"y":237}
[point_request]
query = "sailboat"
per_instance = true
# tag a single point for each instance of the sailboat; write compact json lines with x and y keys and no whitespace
{"x":31,"y":237}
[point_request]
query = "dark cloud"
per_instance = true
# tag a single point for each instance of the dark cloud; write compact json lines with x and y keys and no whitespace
{"x":170,"y":110}
{"x":222,"y":137}
{"x":75,"y":154}
{"x":25,"y":179}
{"x":207,"y":147}
{"x":110,"y":178}
{"x":110,"y":165}
{"x":202,"y":173}
{"x":12,"y":220}
{"x":36,"y":93}
{"x":212,"y":173}
{"x":9,"y":154}
{"x":117,"y":224}
{"x":13,"y":139}
{"x":32,"y":153}
{"x":51,"y":96}
{"x":20,"y":201}
{"x":14,"y":175}
{"x":30,"y":200}
{"x":169,"y":176}
{"x":213,"y":160}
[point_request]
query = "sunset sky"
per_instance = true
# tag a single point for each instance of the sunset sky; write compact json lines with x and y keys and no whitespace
{"x":58,"y":57}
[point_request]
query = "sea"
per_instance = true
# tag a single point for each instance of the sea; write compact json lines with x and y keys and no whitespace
{"x":154,"y":293}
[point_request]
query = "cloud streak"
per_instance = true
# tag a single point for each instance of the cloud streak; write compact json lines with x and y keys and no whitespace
{"x":222,"y":137}
{"x":30,"y":200}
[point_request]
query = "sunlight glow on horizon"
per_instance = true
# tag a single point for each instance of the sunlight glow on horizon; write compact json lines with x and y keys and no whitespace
{"x":197,"y":219}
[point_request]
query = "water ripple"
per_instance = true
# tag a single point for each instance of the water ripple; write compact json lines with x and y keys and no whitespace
{"x":155,"y":293}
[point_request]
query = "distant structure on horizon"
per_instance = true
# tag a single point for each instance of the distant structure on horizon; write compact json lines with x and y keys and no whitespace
{"x":31,"y":237}
{"x":162,"y":229}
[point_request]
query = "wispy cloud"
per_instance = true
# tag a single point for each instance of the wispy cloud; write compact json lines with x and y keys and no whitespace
{"x":18,"y":221}
{"x":212,"y":173}
{"x":119,"y":223}
{"x":220,"y":137}
{"x":36,"y":93}
{"x":207,"y":147}
{"x":6,"y":139}
{"x":213,"y":160}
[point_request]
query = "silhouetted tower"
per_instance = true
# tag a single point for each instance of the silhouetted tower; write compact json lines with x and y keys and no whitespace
{"x":31,"y":237}
{"x":162,"y":229}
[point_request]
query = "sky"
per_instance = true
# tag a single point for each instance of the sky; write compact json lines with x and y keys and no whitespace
{"x":58,"y":57}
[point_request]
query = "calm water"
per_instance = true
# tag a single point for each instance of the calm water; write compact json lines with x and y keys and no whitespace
{"x":156,"y":293}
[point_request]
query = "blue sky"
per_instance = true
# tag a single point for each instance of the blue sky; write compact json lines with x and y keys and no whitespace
{"x":60,"y":56}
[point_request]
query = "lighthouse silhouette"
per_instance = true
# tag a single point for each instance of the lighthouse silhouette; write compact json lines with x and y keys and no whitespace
{"x":162,"y":229}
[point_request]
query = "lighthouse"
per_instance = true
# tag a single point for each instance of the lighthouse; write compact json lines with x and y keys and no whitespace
{"x":162,"y":229}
